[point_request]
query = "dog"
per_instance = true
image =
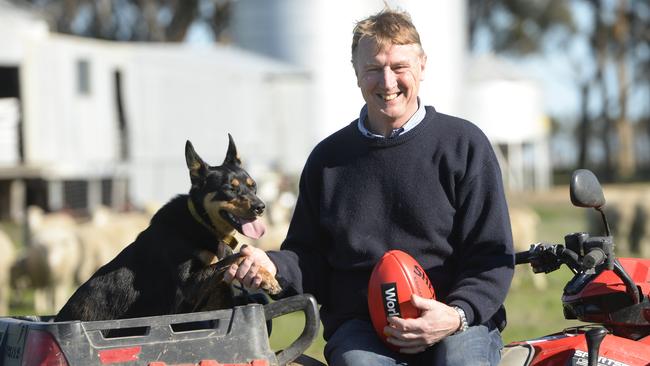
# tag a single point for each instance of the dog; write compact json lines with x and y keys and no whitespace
{"x":176,"y":265}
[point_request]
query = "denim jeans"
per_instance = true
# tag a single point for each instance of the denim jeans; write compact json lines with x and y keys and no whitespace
{"x":355,"y":343}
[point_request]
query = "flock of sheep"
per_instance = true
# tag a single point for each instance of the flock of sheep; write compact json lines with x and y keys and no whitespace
{"x":60,"y":252}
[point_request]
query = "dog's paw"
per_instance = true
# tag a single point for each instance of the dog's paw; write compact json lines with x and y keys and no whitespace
{"x":269,"y":283}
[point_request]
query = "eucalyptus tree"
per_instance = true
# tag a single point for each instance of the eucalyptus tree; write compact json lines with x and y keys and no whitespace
{"x":134,"y":20}
{"x":611,"y":70}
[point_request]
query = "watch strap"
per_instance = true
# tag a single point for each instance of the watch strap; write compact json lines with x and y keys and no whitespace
{"x":463,"y":320}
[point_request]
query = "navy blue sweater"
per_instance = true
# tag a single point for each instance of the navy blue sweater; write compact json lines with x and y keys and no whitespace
{"x":434,"y":192}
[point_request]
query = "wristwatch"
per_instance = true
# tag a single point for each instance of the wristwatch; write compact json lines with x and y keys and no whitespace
{"x":463,"y":320}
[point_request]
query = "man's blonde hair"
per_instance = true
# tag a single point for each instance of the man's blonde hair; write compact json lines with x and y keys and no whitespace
{"x":388,"y":27}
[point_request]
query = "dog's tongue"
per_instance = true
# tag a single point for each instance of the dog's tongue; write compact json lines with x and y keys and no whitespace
{"x":253,"y":229}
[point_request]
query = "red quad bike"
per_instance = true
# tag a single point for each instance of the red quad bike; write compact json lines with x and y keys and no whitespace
{"x":608,"y":292}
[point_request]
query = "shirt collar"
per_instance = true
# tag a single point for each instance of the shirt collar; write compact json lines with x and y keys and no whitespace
{"x":415,"y":119}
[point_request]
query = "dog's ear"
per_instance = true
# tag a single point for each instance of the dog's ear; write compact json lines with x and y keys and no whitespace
{"x":232,"y":157}
{"x":198,"y":168}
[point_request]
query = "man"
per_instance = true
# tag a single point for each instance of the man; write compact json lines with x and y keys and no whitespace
{"x":402,"y":176}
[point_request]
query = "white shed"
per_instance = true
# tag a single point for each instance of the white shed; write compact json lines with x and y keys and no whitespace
{"x":175,"y":93}
{"x":98,"y":122}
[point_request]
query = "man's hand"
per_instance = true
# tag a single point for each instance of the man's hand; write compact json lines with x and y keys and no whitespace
{"x":436,"y":321}
{"x":247,"y":271}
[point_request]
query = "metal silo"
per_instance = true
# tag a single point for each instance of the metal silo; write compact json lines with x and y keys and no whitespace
{"x":316,"y":35}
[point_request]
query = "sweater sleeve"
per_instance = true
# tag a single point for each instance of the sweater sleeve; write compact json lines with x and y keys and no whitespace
{"x":301,"y":261}
{"x":484,"y":251}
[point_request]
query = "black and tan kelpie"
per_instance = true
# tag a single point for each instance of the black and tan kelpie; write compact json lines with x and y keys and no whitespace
{"x":177,"y":264}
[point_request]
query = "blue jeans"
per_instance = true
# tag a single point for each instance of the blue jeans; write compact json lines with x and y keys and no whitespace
{"x":356,"y":343}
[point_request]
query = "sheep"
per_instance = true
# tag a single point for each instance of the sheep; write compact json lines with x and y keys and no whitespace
{"x":63,"y":253}
{"x":524,"y":222}
{"x":105,"y":235}
{"x":622,"y":212}
{"x":277,"y":191}
{"x":8,"y":254}
{"x":52,"y":257}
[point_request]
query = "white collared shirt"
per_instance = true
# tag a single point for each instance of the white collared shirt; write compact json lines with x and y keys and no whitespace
{"x":415,"y":119}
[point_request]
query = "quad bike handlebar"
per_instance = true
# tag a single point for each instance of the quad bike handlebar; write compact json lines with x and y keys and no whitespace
{"x":546,"y":258}
{"x":601,"y":293}
{"x":549,"y":257}
{"x":586,"y":255}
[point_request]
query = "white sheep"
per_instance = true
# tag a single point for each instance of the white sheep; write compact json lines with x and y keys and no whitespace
{"x":524,"y":222}
{"x":7,"y":254}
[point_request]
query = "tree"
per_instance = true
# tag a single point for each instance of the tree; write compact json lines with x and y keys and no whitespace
{"x":134,"y":20}
{"x":614,"y":68}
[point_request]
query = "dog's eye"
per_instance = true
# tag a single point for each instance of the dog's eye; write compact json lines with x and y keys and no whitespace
{"x":228,"y":188}
{"x":252,"y":187}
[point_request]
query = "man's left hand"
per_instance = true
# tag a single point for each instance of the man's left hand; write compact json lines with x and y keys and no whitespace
{"x":436,"y":321}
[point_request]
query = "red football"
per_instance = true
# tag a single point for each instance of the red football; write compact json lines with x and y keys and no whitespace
{"x":394,"y":279}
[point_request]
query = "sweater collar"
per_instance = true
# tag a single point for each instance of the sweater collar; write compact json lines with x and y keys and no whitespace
{"x":415,"y":119}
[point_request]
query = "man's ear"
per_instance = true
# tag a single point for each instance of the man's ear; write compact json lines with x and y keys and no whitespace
{"x":423,"y":66}
{"x":197,"y":167}
{"x":232,"y":157}
{"x":356,"y":74}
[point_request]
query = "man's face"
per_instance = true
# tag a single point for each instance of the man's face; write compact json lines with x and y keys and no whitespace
{"x":389,"y":81}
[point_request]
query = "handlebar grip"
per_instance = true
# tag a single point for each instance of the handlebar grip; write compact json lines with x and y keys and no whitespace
{"x":594,"y":258}
{"x":523,"y":257}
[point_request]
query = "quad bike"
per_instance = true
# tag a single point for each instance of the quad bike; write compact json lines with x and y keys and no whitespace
{"x":610,"y":293}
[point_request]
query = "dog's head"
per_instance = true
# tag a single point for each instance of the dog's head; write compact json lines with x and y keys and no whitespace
{"x":225,"y":195}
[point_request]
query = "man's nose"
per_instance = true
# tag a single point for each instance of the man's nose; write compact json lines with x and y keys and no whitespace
{"x":389,"y":79}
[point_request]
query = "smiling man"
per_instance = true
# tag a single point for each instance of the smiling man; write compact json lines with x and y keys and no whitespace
{"x":401,"y":176}
{"x":389,"y":77}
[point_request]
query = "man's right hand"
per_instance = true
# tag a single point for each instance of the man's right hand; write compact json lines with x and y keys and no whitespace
{"x":247,"y":271}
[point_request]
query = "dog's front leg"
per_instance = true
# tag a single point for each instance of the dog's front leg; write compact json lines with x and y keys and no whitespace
{"x":269,"y":284}
{"x":206,"y":290}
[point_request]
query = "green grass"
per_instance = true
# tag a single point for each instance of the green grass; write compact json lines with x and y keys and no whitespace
{"x":533,"y":313}
{"x":288,"y":327}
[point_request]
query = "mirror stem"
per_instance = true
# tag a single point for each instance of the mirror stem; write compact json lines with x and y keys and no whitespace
{"x":602,"y":214}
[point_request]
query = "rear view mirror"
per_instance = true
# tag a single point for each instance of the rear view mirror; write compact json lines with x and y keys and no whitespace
{"x":585,"y":190}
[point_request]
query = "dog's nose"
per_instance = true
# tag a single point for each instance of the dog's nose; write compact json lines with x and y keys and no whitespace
{"x":258,"y":207}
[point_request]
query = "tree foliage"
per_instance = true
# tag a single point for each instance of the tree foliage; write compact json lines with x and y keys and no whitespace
{"x":610,"y":73}
{"x":517,"y":26}
{"x":134,"y":20}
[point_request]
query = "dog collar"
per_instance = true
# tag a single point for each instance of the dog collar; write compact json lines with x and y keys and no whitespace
{"x":226,"y":239}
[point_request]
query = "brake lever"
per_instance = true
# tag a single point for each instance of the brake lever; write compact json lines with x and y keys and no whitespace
{"x":545,"y":257}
